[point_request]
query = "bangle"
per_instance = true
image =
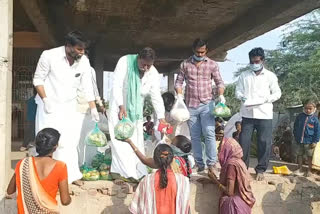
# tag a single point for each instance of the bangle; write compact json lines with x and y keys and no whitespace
{"x":135,"y":149}
{"x":220,"y":186}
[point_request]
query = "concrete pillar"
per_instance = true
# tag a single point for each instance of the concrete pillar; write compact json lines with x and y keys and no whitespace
{"x":99,"y":67}
{"x":171,"y":81}
{"x":6,"y":35}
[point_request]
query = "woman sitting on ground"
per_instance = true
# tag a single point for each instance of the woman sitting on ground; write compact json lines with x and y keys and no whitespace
{"x":162,"y":192}
{"x":234,"y":179}
{"x":38,"y":179}
{"x":181,"y":147}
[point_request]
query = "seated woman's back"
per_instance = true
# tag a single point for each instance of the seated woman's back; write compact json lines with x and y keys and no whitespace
{"x":50,"y":172}
{"x":166,"y":197}
{"x":44,"y":166}
{"x":38,"y":179}
{"x":163,"y":191}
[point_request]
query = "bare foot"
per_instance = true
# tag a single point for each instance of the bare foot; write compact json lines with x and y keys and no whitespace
{"x":78,"y":183}
{"x":308,"y":173}
{"x":298,"y":172}
{"x":260,"y":176}
{"x":127,"y":188}
{"x":119,"y":182}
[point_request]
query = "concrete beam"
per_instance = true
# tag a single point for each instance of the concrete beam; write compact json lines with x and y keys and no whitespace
{"x":6,"y":9}
{"x":259,"y":19}
{"x":267,"y":15}
{"x":36,"y":11}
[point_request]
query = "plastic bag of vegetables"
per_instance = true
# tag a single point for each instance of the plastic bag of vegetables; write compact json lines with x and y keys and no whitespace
{"x":104,"y":170}
{"x":124,"y":129}
{"x":96,"y":138}
{"x":221,"y":110}
{"x":89,"y":174}
{"x":97,"y":160}
{"x":100,"y":159}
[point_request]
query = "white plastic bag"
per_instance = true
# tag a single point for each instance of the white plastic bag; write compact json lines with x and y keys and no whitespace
{"x":180,"y":111}
{"x":103,"y":123}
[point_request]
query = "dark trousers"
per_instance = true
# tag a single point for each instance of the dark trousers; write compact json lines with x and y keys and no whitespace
{"x":29,"y":133}
{"x":264,"y":140}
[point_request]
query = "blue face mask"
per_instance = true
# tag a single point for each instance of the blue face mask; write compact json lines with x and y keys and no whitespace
{"x":197,"y":58}
{"x":256,"y":67}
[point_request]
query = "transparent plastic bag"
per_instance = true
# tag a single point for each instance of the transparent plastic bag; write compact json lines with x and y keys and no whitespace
{"x":96,"y":138}
{"x":104,"y":170}
{"x":221,"y":110}
{"x":89,"y":174}
{"x":180,"y":111}
{"x":103,"y":123}
{"x":124,"y":129}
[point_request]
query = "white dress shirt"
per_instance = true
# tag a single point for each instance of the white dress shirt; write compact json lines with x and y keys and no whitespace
{"x":83,"y":105}
{"x":262,"y":89}
{"x":60,"y":80}
{"x":150,"y":84}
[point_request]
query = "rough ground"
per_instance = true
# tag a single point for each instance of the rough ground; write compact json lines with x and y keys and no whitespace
{"x":276,"y":195}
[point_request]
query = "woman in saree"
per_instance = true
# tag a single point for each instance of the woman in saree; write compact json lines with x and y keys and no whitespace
{"x":234,"y":182}
{"x":38,"y":179}
{"x":162,"y":192}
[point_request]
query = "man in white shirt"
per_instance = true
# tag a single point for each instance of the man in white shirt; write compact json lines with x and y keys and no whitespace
{"x":134,"y":78}
{"x":257,"y":89}
{"x":60,"y":73}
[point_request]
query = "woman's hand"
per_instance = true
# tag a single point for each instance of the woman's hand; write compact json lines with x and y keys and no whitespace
{"x":166,"y":127}
{"x":163,"y":121}
{"x":128,"y":140}
{"x":212,"y":176}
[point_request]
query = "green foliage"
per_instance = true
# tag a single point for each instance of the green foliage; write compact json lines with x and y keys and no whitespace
{"x":231,"y":101}
{"x":297,"y":62}
{"x":147,"y":106}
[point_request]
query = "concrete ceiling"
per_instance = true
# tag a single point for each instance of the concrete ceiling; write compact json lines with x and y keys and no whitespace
{"x":169,"y":26}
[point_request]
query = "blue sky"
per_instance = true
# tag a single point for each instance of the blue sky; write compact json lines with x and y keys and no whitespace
{"x":238,"y":57}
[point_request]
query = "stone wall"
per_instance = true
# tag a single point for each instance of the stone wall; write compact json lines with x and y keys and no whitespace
{"x":277,"y":195}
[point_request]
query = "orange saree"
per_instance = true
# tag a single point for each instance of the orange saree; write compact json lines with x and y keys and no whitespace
{"x":35,"y":195}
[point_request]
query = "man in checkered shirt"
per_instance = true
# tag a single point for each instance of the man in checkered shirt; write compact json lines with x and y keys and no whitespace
{"x":198,"y":71}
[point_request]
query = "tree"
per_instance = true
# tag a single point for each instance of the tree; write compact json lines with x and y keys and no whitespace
{"x":231,"y":101}
{"x":147,"y":106}
{"x":297,"y":61}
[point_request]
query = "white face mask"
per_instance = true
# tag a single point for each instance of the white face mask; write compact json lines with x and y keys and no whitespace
{"x":256,"y":67}
{"x":312,"y":113}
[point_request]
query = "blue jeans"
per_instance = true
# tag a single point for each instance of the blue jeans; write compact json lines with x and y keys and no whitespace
{"x":203,"y":122}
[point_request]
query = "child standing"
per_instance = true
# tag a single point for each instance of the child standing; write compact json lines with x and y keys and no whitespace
{"x":307,"y":133}
{"x":236,"y":134}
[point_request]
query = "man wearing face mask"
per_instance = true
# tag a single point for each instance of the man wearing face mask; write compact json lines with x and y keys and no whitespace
{"x":134,"y":78}
{"x":198,"y":71}
{"x":257,"y":89}
{"x":59,"y":74}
